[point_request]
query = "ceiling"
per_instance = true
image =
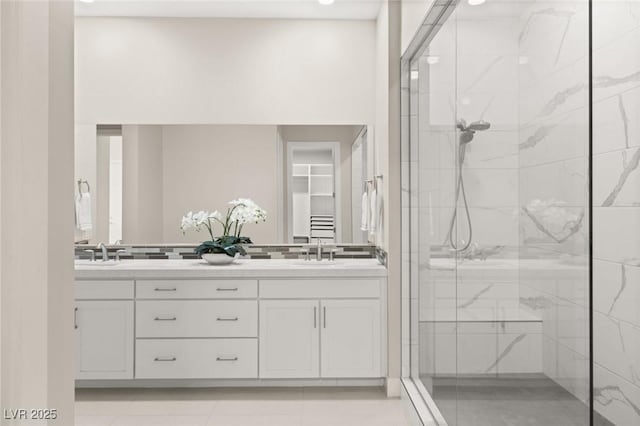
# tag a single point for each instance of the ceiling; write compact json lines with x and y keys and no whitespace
{"x":285,"y":9}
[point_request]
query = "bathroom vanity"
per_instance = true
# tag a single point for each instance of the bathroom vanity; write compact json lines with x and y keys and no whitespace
{"x":170,"y":322}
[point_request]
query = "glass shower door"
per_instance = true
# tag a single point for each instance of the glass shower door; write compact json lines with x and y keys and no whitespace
{"x":498,"y":166}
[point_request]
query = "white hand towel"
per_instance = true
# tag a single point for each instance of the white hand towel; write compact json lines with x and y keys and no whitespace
{"x":83,"y":212}
{"x":365,"y":212}
{"x":373,"y":211}
{"x":379,"y":213}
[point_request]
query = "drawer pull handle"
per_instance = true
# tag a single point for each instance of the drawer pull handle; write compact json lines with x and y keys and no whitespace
{"x":227,"y":319}
{"x":165,"y":359}
{"x":227,"y":289}
{"x":165,"y":319}
{"x":165,"y":289}
{"x":235,"y":358}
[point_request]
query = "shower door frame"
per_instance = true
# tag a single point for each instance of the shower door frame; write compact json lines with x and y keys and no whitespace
{"x":414,"y":390}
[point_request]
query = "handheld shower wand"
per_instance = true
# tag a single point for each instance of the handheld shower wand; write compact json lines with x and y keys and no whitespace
{"x":467,"y":132}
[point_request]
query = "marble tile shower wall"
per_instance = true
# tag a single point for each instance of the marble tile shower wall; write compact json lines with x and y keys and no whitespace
{"x":470,"y":72}
{"x":474,"y":78}
{"x":553,"y":182}
{"x":553,"y":168}
{"x":616,"y":211}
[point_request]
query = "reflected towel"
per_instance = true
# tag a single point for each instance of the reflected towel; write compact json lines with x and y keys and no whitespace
{"x":365,"y":212}
{"x":373,"y":211}
{"x":83,"y":212}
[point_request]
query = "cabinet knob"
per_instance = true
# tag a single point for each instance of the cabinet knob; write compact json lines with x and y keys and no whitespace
{"x":164,"y":359}
{"x":165,"y":289}
{"x":227,"y":319}
{"x":227,"y":289}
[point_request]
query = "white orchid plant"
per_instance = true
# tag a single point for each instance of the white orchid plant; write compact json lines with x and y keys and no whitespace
{"x":240,"y":212}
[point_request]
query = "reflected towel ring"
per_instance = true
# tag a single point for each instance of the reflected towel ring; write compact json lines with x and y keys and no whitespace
{"x":80,"y":182}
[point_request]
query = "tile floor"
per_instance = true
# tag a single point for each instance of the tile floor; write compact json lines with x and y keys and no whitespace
{"x":238,"y":407}
{"x":509,"y":402}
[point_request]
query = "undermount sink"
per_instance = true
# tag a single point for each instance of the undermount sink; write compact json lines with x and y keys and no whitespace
{"x":96,"y":263}
{"x":314,"y":262}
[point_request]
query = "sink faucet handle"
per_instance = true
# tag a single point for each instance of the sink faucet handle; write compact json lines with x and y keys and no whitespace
{"x":332,"y":251}
{"x":306,"y":249}
{"x":92,"y":253}
{"x":118,"y":253}
{"x":105,"y":252}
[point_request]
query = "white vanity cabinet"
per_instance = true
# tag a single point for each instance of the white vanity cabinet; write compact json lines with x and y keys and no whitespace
{"x":196,"y":329}
{"x":316,"y":328}
{"x":103,"y":322}
{"x":259,"y":322}
{"x":289,"y":339}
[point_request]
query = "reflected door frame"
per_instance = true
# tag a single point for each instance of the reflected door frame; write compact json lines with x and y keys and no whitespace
{"x":337,"y":182}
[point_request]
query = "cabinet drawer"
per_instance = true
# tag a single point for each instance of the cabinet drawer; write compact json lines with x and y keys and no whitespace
{"x":319,"y":288}
{"x":103,"y":289}
{"x":197,"y":359}
{"x":196,"y":289}
{"x":197,"y":318}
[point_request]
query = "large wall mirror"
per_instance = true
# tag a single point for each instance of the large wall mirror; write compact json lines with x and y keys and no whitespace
{"x":137,"y":181}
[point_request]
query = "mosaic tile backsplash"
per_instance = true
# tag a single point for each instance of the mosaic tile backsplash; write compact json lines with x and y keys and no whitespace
{"x":282,"y":251}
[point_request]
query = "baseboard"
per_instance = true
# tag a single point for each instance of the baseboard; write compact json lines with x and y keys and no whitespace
{"x":231,"y":383}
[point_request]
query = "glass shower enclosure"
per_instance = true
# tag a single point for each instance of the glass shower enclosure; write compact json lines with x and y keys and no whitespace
{"x":496,"y":213}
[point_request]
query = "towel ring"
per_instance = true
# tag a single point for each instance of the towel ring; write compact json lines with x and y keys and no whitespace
{"x":80,"y":182}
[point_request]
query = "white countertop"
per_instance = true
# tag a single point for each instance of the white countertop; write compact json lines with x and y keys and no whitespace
{"x":257,"y":268}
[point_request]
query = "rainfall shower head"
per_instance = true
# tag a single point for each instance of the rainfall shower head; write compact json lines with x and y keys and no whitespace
{"x":479,"y":125}
{"x":467,"y":132}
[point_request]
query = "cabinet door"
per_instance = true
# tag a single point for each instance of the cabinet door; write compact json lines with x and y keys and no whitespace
{"x":350,"y":338}
{"x":104,"y":339}
{"x":289,"y":339}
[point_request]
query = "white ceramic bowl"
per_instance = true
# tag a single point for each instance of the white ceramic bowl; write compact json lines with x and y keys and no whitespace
{"x":219,"y":258}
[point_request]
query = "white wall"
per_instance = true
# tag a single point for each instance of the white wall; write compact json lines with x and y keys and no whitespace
{"x":386,"y":162}
{"x":224,"y":71}
{"x":36,"y":207}
{"x":206,"y":166}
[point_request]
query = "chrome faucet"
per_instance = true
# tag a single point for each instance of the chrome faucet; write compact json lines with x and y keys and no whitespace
{"x":105,"y":253}
{"x":319,"y":250}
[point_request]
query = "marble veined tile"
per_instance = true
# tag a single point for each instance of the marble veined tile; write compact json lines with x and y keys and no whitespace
{"x":616,"y":66}
{"x":479,"y":33}
{"x":564,"y":182}
{"x":615,"y":398}
{"x":617,"y":347}
{"x":616,"y":288}
{"x":616,"y":122}
{"x":553,"y":35}
{"x":554,"y":139}
{"x":617,"y":178}
{"x":555,"y":95}
{"x":615,"y":234}
{"x":614,"y":19}
{"x":554,"y":227}
{"x":519,"y":353}
{"x":482,"y":72}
